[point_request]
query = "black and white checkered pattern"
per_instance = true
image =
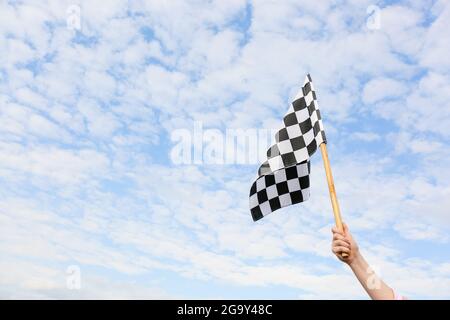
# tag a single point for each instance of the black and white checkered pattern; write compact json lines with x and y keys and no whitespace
{"x":301,"y":135}
{"x":279,"y":189}
{"x":284,"y":178}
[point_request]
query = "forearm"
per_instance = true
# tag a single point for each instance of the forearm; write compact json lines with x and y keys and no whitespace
{"x":374,"y":286}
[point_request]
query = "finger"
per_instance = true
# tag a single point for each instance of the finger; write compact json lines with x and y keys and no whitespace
{"x":338,"y":236}
{"x":338,"y":246}
{"x":345,"y":227}
{"x":342,"y":243}
{"x":340,"y":249}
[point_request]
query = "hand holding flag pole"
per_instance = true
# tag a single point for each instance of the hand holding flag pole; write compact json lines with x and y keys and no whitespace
{"x":334,"y":201}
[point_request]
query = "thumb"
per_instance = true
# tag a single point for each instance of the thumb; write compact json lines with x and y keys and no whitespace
{"x":345,"y":227}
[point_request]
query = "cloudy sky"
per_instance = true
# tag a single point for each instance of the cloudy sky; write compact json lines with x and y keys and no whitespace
{"x":88,"y":188}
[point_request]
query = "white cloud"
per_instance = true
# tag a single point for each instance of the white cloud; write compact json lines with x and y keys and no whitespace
{"x":366,"y":136}
{"x":20,"y":52}
{"x":104,"y":85}
{"x":424,"y":146}
{"x":435,"y":50}
{"x":101,"y":123}
{"x":399,"y":30}
{"x":41,"y":126}
{"x":31,"y":98}
{"x":58,"y":165}
{"x":164,"y":86}
{"x":418,"y":231}
{"x":382,"y":88}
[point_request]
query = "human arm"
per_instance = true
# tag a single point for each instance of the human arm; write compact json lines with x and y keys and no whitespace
{"x":372,"y":284}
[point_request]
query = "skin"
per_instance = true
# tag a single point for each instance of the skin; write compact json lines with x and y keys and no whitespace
{"x":374,"y":286}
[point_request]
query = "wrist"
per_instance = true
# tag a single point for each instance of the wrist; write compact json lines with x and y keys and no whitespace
{"x":357,"y":260}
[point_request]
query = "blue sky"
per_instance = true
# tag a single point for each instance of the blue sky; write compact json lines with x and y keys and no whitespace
{"x":87,"y":178}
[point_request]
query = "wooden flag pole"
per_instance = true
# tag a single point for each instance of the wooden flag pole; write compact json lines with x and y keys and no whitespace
{"x":334,"y":201}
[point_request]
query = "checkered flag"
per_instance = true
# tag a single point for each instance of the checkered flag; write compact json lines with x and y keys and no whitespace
{"x":283,"y":179}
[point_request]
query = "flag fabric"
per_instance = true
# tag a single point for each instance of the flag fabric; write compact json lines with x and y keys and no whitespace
{"x":283,"y":179}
